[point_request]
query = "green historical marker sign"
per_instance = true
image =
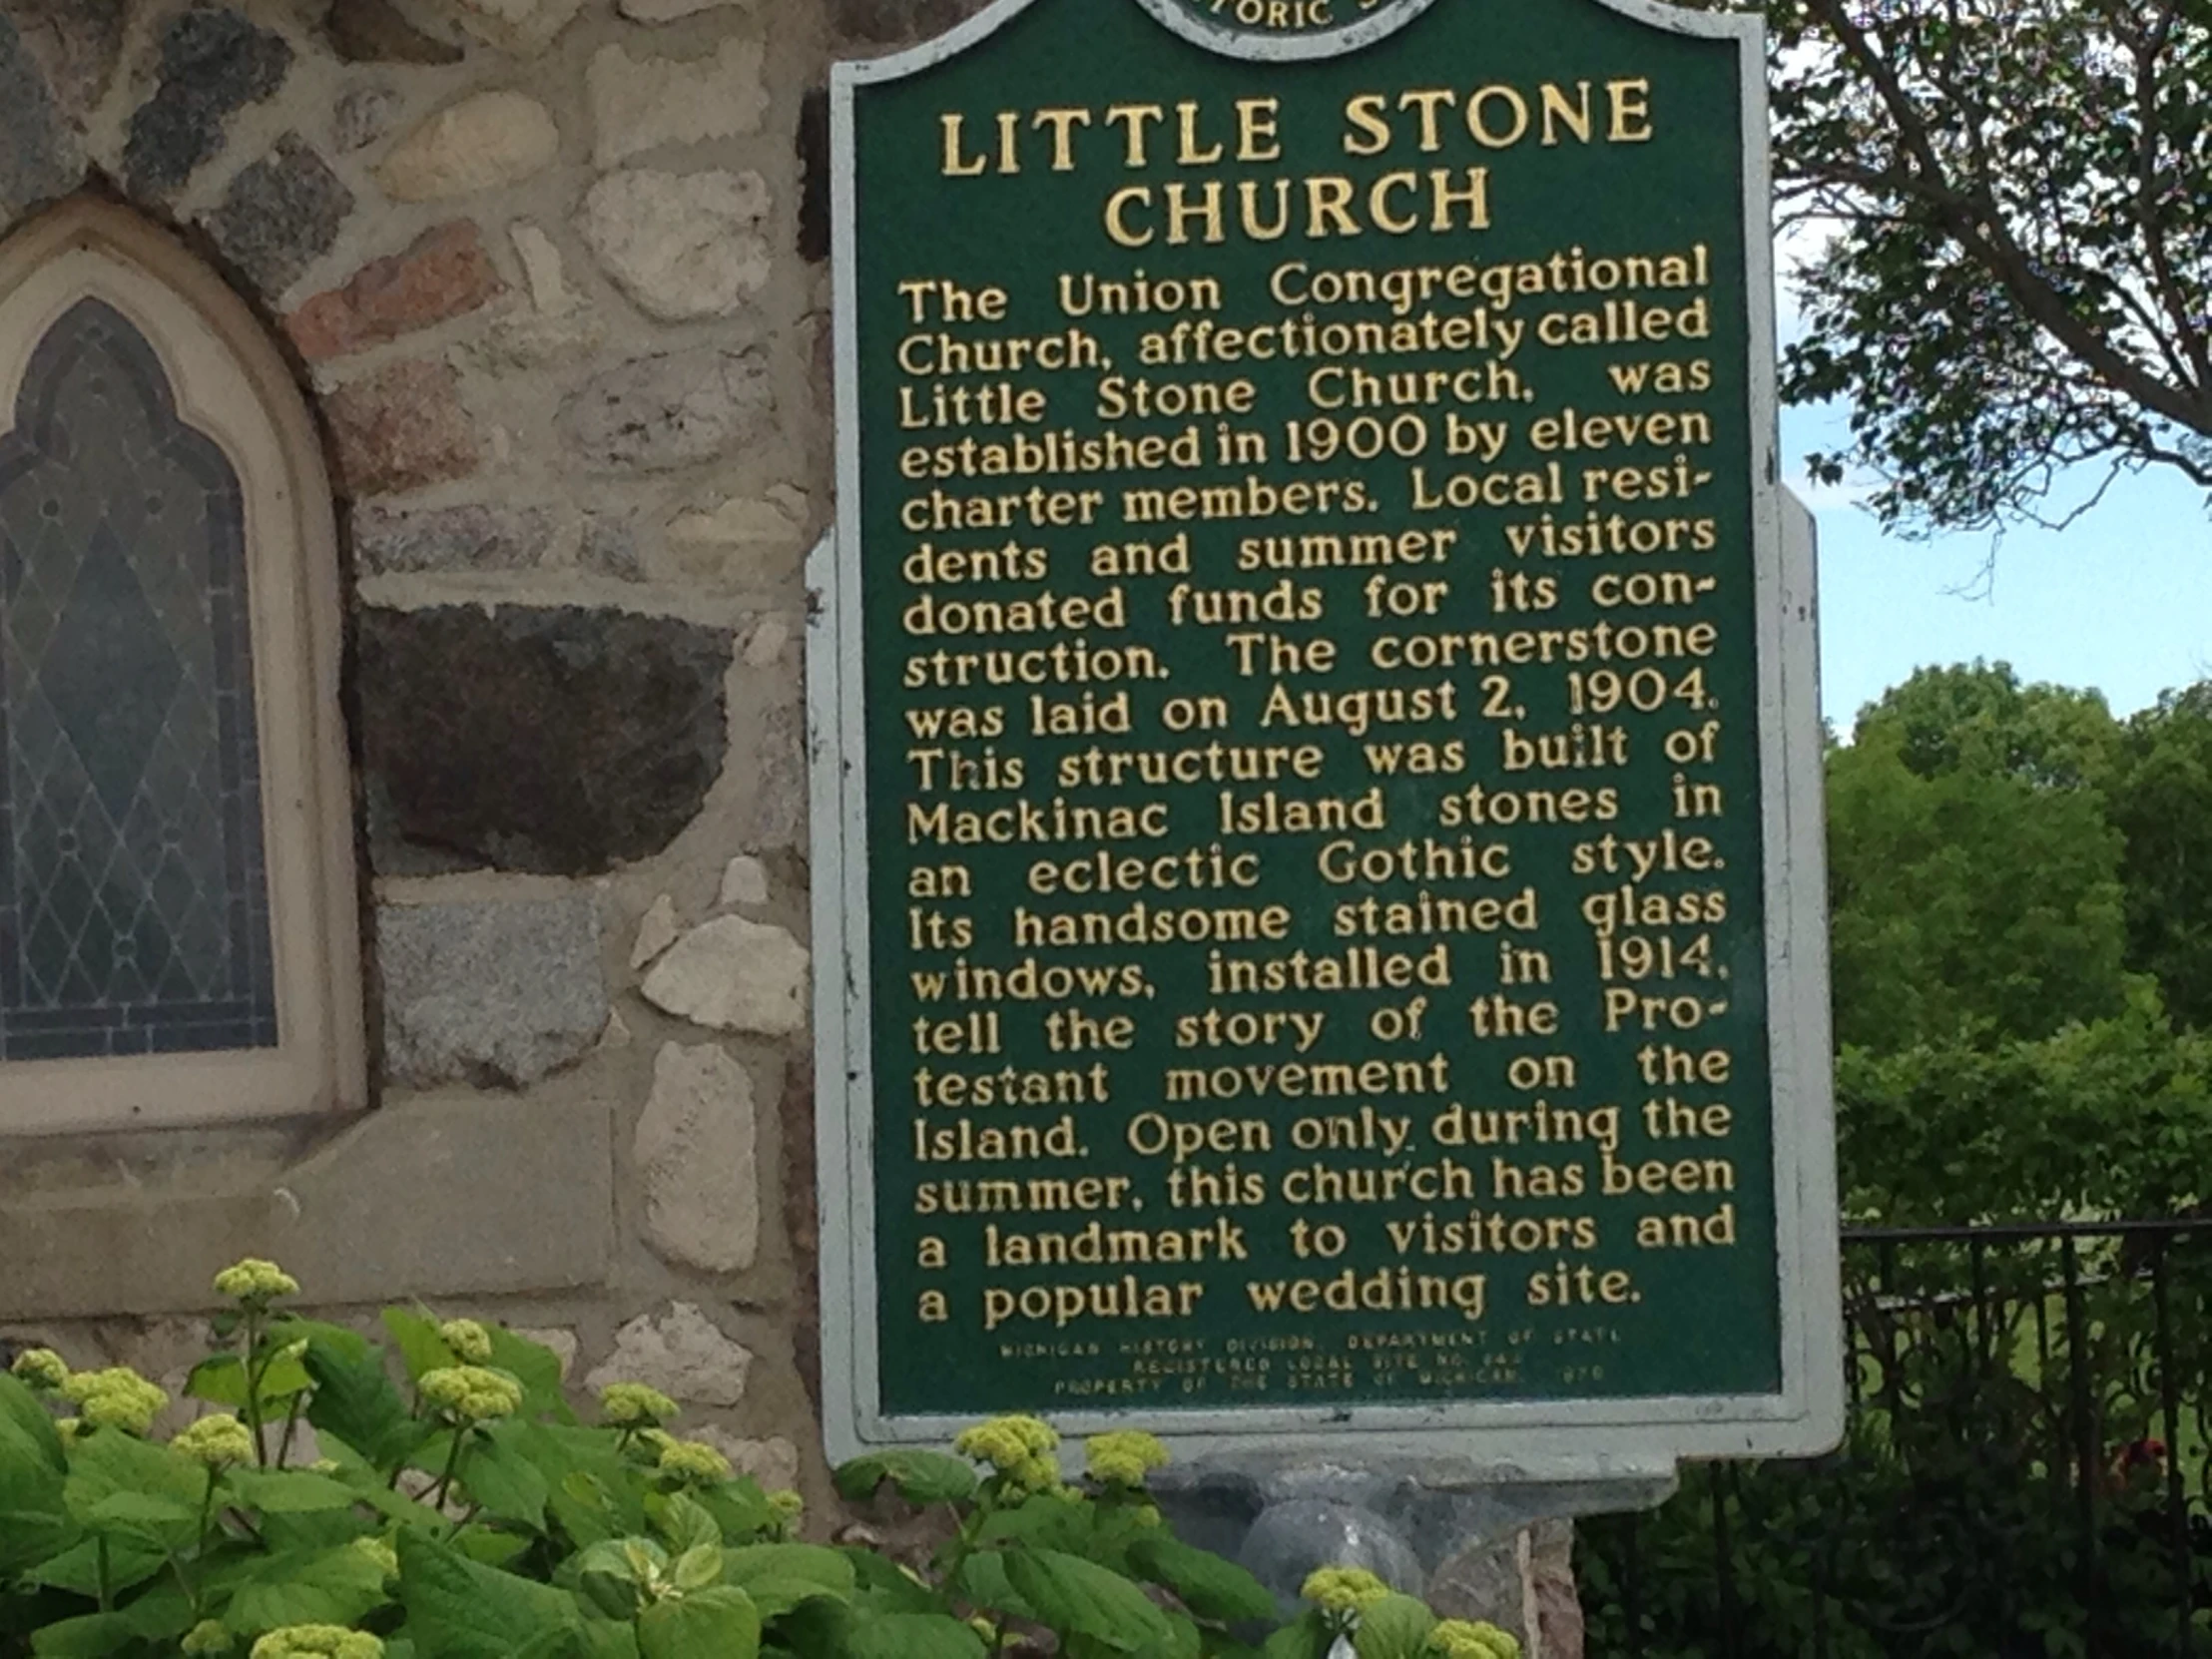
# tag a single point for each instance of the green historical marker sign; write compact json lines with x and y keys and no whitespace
{"x":1317,"y":756}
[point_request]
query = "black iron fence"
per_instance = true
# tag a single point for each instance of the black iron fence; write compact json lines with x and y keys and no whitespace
{"x":2027,"y":1473}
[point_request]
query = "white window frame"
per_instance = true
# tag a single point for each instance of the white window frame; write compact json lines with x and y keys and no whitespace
{"x":232,"y":383}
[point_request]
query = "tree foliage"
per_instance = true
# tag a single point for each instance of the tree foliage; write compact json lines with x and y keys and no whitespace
{"x":2020,"y":276}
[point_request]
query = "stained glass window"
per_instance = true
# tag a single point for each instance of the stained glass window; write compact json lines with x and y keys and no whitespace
{"x":134,"y":895}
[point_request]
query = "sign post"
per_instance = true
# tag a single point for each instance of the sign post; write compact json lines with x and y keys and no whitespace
{"x":1317,"y":795}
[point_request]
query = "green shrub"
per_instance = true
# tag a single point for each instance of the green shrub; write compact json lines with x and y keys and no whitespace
{"x":465,"y":1514}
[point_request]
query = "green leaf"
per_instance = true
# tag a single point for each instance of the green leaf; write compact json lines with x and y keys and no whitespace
{"x":684,"y":1524}
{"x":109,"y":1465}
{"x":982,"y":1583}
{"x":537,"y":1367}
{"x":355,"y":1400}
{"x":738,"y":1507}
{"x":920,"y":1477}
{"x":780,"y":1577}
{"x":607,"y":1577}
{"x":220,"y":1379}
{"x":334,"y":1338}
{"x":34,"y":1517}
{"x":1392,"y":1628}
{"x":422,"y":1348}
{"x":883,"y":1588}
{"x":697,"y":1568}
{"x":497,"y":1473}
{"x":289,"y":1491}
{"x":1205,"y":1583}
{"x":492,"y":1549}
{"x":1046,"y":1523}
{"x":22,"y":1412}
{"x":1303,"y":1638}
{"x":914,"y":1636}
{"x":132,"y":1560}
{"x":145,"y":1509}
{"x":603,"y":1639}
{"x":720,"y":1623}
{"x":1080,"y":1597}
{"x":91,"y":1637}
{"x":457,"y":1609}
{"x":332,"y":1587}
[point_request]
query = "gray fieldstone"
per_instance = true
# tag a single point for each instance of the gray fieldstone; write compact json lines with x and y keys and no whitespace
{"x":560,"y":741}
{"x":658,"y":929}
{"x":734,"y":975}
{"x":485,"y":141}
{"x":744,"y":882}
{"x":680,"y":1353}
{"x":654,"y":414}
{"x":741,"y":543}
{"x":697,"y":1161}
{"x":542,"y":269}
{"x":521,"y":28}
{"x":400,"y":541}
{"x":1291,"y":1539}
{"x":210,"y":63}
{"x":78,"y":44}
{"x":373,"y":31}
{"x":282,"y":215}
{"x":495,"y":994}
{"x":611,"y":547}
{"x":772,"y":1462}
{"x":641,"y":104}
{"x":666,"y":11}
{"x":682,"y":246}
{"x":38,"y":154}
{"x":363,"y":116}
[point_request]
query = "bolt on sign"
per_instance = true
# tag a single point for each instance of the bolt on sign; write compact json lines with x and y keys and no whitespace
{"x":1317,"y":817}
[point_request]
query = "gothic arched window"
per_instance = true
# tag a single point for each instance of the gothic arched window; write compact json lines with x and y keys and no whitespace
{"x":177,"y":929}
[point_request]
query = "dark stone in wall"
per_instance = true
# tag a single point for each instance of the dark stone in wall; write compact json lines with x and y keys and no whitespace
{"x":814,"y":231}
{"x":78,"y":42}
{"x":212,"y":63}
{"x":282,"y":215}
{"x":36,"y":154}
{"x":370,"y":31}
{"x":898,"y":22}
{"x":559,"y":741}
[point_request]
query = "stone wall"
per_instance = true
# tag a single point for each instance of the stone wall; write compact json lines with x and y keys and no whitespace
{"x":551,"y":273}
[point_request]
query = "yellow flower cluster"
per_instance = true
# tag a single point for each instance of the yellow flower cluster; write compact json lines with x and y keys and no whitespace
{"x":471,"y":1393}
{"x":1018,"y":1448}
{"x":1460,"y":1639}
{"x":470,"y":1340}
{"x":1342,"y":1589}
{"x":625,"y":1404}
{"x":692,"y":1460}
{"x":378,"y":1551}
{"x":1123,"y":1458}
{"x":208,"y":1636}
{"x":318,"y":1641}
{"x":216,"y":1440}
{"x":41,"y":1368}
{"x":788,"y":1505}
{"x":117,"y":1398}
{"x":254,"y":1280}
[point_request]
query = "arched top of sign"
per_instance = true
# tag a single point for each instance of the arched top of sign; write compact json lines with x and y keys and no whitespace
{"x":1316,"y":28}
{"x":1197,"y":22}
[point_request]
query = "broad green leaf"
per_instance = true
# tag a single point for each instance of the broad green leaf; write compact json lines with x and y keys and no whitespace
{"x":132,"y":1560}
{"x":779,"y":1577}
{"x":93,"y":1636}
{"x":1205,"y":1583}
{"x":1045,"y":1523}
{"x":697,"y":1568}
{"x":220,"y":1379}
{"x":457,"y":1609}
{"x":289,"y":1491}
{"x":1306,"y":1637}
{"x":355,"y":1400}
{"x":498,"y":1474}
{"x":147,"y":1509}
{"x":1073,"y":1595}
{"x":738,"y":1507}
{"x":603,"y":1639}
{"x":108,"y":1465}
{"x":415,"y":1334}
{"x":883,"y":1587}
{"x":920,"y":1477}
{"x":334,"y":1587}
{"x":982,"y":1583}
{"x":685,"y":1524}
{"x":21,"y":1413}
{"x":720,"y":1623}
{"x":491,"y":1549}
{"x":35,"y":1521}
{"x":1392,"y":1628}
{"x":348,"y":1344}
{"x":914,"y":1636}
{"x":537,"y":1367}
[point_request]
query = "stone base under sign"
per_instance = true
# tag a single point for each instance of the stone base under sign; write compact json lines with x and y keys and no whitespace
{"x":1475,"y":1543}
